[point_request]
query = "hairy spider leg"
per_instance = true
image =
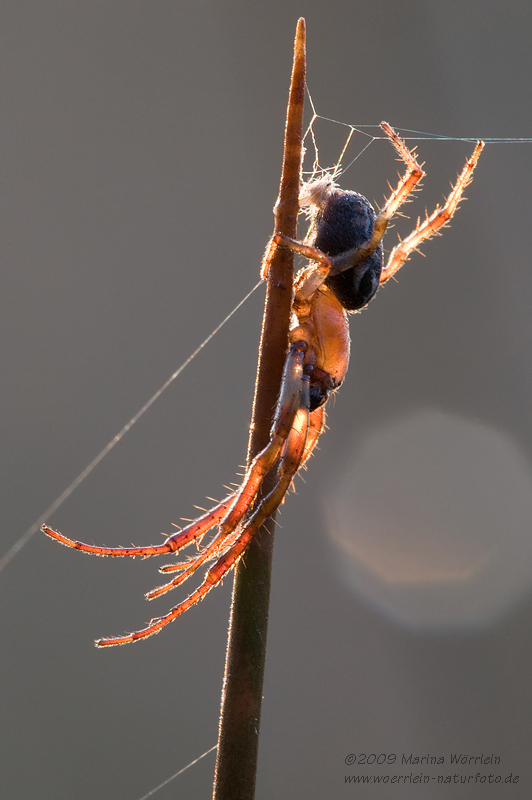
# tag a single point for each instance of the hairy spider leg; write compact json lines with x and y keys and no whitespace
{"x":437,"y":220}
{"x":315,"y":429}
{"x":288,"y":406}
{"x":240,"y":539}
{"x":407,"y":184}
{"x":294,"y":435}
{"x":193,"y":532}
{"x":230,"y":511}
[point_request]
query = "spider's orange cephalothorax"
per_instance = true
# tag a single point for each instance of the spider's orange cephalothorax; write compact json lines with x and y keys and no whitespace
{"x":323,"y":326}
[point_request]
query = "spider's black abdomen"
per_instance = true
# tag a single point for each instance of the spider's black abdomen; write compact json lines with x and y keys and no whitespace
{"x":345,"y":221}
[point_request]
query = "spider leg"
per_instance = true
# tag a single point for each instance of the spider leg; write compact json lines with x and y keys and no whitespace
{"x":437,"y":219}
{"x":188,"y":568}
{"x":238,"y":540}
{"x":407,"y":184}
{"x":315,"y":275}
{"x":231,"y":510}
{"x":196,"y":530}
{"x":316,"y":427}
{"x":287,"y":407}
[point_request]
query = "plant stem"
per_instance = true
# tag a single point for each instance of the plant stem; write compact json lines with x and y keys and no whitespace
{"x":238,"y":739}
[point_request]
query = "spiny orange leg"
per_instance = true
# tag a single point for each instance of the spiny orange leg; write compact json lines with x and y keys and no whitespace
{"x":315,"y":429}
{"x":406,"y":185}
{"x":188,"y":568}
{"x":193,"y":532}
{"x":287,"y":407}
{"x":239,"y":539}
{"x":234,"y":506}
{"x":437,"y":220}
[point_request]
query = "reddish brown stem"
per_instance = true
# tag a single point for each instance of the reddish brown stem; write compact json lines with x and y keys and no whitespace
{"x":236,"y":763}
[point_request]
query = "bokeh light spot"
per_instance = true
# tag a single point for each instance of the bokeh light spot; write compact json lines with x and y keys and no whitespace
{"x":432,"y":521}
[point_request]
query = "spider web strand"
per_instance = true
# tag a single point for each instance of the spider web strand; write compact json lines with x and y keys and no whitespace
{"x":427,"y":135}
{"x":180,"y":772}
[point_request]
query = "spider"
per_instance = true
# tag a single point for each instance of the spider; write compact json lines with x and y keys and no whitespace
{"x":347,"y":267}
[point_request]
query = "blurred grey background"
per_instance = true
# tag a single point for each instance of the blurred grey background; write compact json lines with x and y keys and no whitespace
{"x":140,"y":151}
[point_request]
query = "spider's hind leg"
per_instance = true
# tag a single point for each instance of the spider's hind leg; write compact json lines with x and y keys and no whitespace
{"x":192,"y":532}
{"x":288,"y":406}
{"x":236,"y":542}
